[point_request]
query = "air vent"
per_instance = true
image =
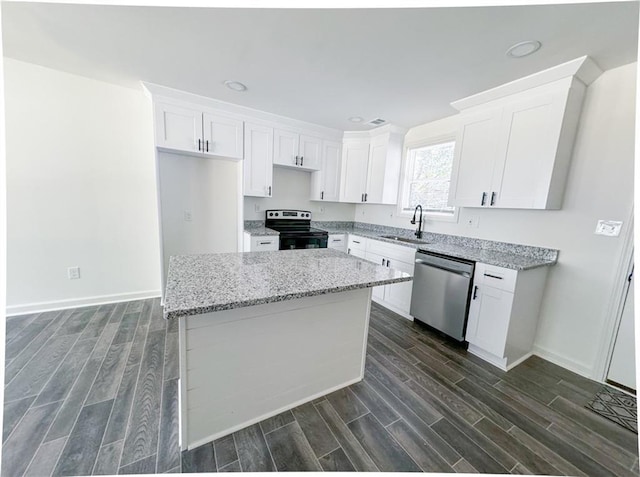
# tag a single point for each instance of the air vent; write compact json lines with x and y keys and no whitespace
{"x":377,"y":122}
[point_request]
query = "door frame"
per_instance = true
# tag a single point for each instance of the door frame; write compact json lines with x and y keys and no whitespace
{"x":616,"y":304}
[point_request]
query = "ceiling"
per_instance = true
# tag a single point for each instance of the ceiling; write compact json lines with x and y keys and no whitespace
{"x":319,"y":65}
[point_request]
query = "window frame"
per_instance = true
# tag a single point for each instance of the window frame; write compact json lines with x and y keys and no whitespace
{"x":430,"y":141}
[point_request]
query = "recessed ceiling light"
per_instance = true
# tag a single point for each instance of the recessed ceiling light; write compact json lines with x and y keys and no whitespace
{"x":356,"y":119}
{"x":235,"y":85}
{"x":524,"y":48}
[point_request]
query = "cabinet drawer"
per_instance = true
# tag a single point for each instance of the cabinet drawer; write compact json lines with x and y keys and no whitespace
{"x":264,"y":244}
{"x":357,"y":243}
{"x":496,"y":277}
{"x":392,"y":251}
{"x":338,"y":242}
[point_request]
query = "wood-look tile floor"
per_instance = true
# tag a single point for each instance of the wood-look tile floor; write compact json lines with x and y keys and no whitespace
{"x":94,"y":390}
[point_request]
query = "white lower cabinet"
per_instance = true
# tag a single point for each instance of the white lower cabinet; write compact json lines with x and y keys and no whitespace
{"x":357,"y":246}
{"x":338,"y":242}
{"x":261,"y":243}
{"x":503,"y":313}
{"x":396,"y":297}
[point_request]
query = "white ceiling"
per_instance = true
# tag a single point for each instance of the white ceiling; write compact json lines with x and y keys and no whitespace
{"x":321,"y":66}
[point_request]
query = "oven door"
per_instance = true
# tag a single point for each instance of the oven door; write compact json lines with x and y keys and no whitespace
{"x":301,"y":241}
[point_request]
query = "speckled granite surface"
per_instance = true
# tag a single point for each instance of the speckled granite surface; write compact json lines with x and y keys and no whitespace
{"x":204,"y":283}
{"x":257,"y":228}
{"x":501,"y":254}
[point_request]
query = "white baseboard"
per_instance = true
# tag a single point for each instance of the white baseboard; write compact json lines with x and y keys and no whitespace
{"x":13,"y":310}
{"x":564,"y":362}
{"x":393,"y":308}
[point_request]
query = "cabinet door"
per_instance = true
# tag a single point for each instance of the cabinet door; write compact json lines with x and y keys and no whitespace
{"x":310,"y":150}
{"x":528,"y":141}
{"x":178,"y":128}
{"x":222,"y":136}
{"x":376,"y":169}
{"x":488,"y":322}
{"x":265,"y":244}
{"x":258,"y":163}
{"x":474,"y":159}
{"x":325,"y":184}
{"x":399,"y":294}
{"x":355,"y":159}
{"x":285,"y":147}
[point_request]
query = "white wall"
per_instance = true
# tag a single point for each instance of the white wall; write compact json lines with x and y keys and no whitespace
{"x":80,"y":190}
{"x":206,"y":189}
{"x":600,"y":186}
{"x":291,"y":190}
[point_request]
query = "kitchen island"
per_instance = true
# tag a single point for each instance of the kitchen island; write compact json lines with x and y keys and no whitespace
{"x":263,"y":332}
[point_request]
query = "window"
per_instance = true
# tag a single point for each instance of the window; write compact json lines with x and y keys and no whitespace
{"x":427,"y":178}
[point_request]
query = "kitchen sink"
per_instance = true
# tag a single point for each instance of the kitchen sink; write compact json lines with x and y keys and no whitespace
{"x":403,"y":239}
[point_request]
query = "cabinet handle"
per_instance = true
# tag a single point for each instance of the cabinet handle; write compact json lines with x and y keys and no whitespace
{"x":475,"y":292}
{"x":269,"y":191}
{"x":493,"y":198}
{"x":349,"y":251}
{"x":265,"y":243}
{"x":199,"y":141}
{"x":492,"y":276}
{"x":383,"y":262}
{"x":365,"y":196}
{"x":362,"y":198}
{"x":296,"y":160}
{"x":484,"y":198}
{"x":355,"y":241}
{"x":388,"y":262}
{"x":322,"y":195}
{"x":207,"y":145}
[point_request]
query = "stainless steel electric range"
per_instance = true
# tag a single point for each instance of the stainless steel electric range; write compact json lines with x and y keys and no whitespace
{"x":295,"y":229}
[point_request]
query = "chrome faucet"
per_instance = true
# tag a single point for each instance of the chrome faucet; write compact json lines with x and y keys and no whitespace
{"x":418,"y":232}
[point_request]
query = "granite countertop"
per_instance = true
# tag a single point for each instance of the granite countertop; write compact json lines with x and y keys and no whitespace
{"x":500,"y":254}
{"x":199,"y":284}
{"x":260,"y":231}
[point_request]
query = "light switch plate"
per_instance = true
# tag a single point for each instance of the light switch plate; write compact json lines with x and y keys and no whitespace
{"x":610,"y":228}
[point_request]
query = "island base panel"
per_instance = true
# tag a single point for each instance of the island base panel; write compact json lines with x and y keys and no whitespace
{"x":244,"y":365}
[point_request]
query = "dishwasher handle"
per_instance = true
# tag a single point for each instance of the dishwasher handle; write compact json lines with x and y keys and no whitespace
{"x":440,"y":267}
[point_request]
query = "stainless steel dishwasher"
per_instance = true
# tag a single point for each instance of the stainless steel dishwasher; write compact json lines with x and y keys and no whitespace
{"x":441,"y":292}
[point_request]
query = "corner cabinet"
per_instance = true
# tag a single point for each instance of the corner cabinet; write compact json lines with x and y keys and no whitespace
{"x":514,"y":150}
{"x":189,"y":129}
{"x":325,"y":183}
{"x":371,"y":164}
{"x":503,"y":313}
{"x":258,"y":163}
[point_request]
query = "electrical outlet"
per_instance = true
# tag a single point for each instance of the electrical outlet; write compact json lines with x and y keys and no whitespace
{"x":473,"y":221}
{"x":73,"y":273}
{"x":256,"y":207}
{"x":610,"y":228}
{"x":187,"y":216}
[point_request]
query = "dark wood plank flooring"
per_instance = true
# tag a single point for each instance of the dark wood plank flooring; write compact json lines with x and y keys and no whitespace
{"x":95,"y":391}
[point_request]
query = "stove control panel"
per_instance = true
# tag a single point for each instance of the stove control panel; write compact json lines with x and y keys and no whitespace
{"x":288,"y":214}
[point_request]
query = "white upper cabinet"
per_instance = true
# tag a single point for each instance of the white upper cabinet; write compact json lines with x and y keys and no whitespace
{"x":325,"y":184}
{"x":371,"y":163}
{"x":296,"y":150}
{"x":222,"y":136}
{"x":188,"y":128}
{"x":258,"y":163}
{"x":355,"y":160}
{"x":514,"y":142}
{"x":178,"y":128}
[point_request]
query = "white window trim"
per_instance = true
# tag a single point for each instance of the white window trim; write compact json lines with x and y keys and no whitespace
{"x":430,"y":141}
